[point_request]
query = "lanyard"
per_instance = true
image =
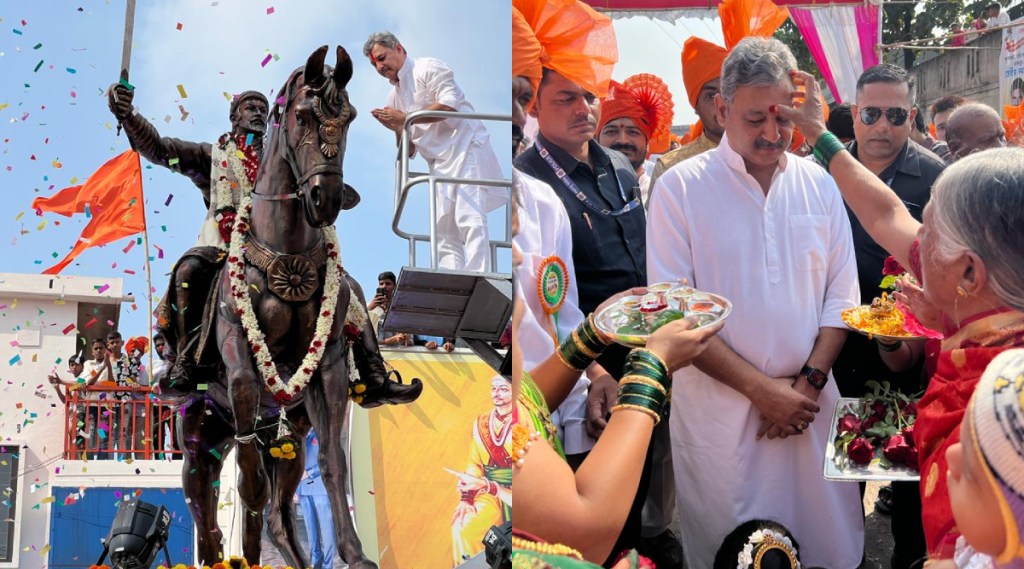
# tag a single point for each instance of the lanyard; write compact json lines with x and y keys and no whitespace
{"x":567,"y":181}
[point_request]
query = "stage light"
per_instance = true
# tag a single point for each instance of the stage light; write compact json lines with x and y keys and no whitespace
{"x":498,"y":546}
{"x":138,"y":533}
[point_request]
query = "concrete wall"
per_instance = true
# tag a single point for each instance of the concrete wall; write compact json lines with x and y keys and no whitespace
{"x":970,"y":73}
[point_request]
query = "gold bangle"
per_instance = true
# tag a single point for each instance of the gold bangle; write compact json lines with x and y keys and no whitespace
{"x":657,"y":403}
{"x":569,"y":366}
{"x":650,"y":413}
{"x":642,"y":380}
{"x":589,"y":336}
{"x":583,"y":347}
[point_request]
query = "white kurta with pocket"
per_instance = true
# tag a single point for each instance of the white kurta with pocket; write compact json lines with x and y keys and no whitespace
{"x":786,"y":262}
{"x":544,"y":232}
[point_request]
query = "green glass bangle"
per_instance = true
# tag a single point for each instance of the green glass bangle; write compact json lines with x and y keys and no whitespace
{"x":639,"y":379}
{"x":647,"y":357}
{"x":571,"y":355}
{"x":640,"y":389}
{"x":827,"y":146}
{"x":645,"y":364}
{"x":589,"y":337}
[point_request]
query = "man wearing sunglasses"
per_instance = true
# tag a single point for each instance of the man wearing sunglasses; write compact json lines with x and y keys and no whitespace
{"x":883,"y":115}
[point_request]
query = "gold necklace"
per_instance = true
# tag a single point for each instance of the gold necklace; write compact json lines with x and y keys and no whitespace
{"x":545,"y":548}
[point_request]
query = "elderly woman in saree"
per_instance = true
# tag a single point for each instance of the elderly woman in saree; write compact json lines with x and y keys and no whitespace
{"x":968,"y":255}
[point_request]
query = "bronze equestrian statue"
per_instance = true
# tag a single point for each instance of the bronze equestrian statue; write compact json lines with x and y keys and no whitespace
{"x":185,"y":312}
{"x":286,"y":326}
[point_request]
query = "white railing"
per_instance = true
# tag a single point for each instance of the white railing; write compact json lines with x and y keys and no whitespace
{"x":405,"y":181}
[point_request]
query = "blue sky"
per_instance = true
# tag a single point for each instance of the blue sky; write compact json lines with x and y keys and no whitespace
{"x":55,"y":128}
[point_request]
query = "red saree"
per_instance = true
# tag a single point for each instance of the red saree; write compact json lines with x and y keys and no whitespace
{"x":965,"y":354}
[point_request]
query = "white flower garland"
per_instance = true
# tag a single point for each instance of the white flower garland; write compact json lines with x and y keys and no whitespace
{"x":283,"y":392}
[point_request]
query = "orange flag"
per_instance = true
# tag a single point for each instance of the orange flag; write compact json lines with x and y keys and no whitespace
{"x":113,"y":196}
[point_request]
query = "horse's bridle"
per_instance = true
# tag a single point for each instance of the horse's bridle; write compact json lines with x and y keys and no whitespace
{"x":329,"y":133}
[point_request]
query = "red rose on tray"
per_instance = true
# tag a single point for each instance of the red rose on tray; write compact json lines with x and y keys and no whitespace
{"x":909,"y":409}
{"x":868,"y":423}
{"x":860,"y":451}
{"x":849,"y":424}
{"x":896,"y":449}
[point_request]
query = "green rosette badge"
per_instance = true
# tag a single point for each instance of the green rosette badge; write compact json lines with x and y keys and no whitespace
{"x":552,"y":288}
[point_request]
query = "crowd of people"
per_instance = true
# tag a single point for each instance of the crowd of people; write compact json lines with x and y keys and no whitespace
{"x":107,"y":398}
{"x":726,"y":428}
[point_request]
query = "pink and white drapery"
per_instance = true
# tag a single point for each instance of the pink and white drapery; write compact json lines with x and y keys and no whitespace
{"x":842,"y":40}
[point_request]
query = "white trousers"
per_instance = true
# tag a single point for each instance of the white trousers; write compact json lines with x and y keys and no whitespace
{"x":463,"y":242}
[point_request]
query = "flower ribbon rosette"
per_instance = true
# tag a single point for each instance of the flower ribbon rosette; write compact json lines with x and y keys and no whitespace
{"x":552,"y":289}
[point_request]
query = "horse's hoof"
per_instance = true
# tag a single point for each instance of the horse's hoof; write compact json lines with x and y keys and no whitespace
{"x":390,"y":393}
{"x":362,"y":564}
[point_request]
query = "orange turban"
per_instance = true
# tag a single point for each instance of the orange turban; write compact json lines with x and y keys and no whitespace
{"x":702,"y":60}
{"x":568,"y":37}
{"x":526,"y":50}
{"x":645,"y":99}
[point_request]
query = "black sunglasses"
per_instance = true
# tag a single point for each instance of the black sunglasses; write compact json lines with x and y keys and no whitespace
{"x":895,"y":115}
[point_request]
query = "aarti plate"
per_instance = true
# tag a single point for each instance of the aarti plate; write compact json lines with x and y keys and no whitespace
{"x":851,"y":316}
{"x":632,"y":319}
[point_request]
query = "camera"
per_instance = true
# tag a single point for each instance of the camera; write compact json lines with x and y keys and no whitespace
{"x":380,"y":291}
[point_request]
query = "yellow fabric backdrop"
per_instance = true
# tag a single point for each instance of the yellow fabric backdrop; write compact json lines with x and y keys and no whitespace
{"x":411,"y":444}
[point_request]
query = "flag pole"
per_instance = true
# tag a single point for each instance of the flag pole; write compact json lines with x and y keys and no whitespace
{"x":126,"y":60}
{"x":149,"y":277}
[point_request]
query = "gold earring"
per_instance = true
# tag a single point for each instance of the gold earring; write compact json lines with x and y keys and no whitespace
{"x":960,"y":290}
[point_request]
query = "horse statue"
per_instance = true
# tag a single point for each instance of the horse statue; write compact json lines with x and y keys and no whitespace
{"x":283,"y":328}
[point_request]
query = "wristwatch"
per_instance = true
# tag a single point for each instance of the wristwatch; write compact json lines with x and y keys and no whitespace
{"x":815,"y":377}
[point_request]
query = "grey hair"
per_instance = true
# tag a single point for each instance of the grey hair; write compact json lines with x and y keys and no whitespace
{"x":386,"y":39}
{"x":756,"y":61}
{"x":978,"y":206}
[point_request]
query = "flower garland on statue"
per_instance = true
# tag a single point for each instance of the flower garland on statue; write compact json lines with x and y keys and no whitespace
{"x":283,"y":392}
{"x":239,"y":155}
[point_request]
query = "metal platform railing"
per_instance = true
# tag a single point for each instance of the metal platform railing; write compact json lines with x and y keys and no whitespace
{"x":99,"y":424}
{"x":406,"y":180}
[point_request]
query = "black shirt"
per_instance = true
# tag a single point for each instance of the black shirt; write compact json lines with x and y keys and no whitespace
{"x":911,"y":176}
{"x":609,"y":252}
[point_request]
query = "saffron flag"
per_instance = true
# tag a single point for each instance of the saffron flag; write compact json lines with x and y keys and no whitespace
{"x":113,"y":196}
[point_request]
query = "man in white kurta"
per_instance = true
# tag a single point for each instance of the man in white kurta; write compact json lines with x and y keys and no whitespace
{"x":779,"y":247}
{"x":544,"y":233}
{"x":453,"y":148}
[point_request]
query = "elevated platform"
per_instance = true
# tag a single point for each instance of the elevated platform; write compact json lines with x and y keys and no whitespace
{"x":474,"y":307}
